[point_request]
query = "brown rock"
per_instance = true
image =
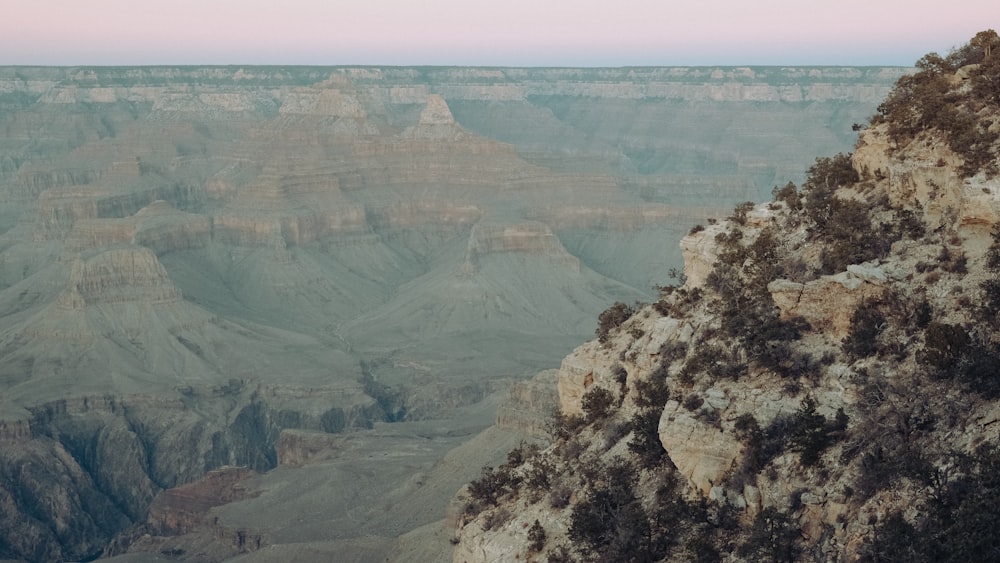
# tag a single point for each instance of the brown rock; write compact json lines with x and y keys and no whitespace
{"x":119,"y":275}
{"x":530,"y":404}
{"x":703,"y":453}
{"x":826,"y":303}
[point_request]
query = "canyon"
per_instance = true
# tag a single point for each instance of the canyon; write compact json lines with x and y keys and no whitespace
{"x":264,"y":311}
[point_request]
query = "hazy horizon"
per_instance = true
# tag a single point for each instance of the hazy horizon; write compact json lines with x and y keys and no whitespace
{"x":516,"y":33}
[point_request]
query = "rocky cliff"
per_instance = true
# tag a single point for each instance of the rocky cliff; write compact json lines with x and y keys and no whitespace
{"x":822,"y":387}
{"x":198,"y":263}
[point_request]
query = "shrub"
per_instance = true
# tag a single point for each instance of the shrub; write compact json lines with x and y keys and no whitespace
{"x":672,"y":351}
{"x":923,"y":313}
{"x":986,"y":79}
{"x":925,"y":100}
{"x":560,"y":495}
{"x":867,"y":323}
{"x":824,"y":177}
{"x":645,"y":442}
{"x":957,"y":524}
{"x":611,"y":319}
{"x":805,"y":431}
{"x":993,"y":253}
{"x":789,"y":362}
{"x":739,"y":215}
{"x":952,"y":261}
{"x":613,"y":433}
{"x":700,"y":549}
{"x":570,"y":450}
{"x":916,"y":98}
{"x":681,"y":301}
{"x":788,"y":194}
{"x":693,"y":402}
{"x":536,"y":537}
{"x":653,"y":391}
{"x":811,"y":433}
{"x":564,"y":427}
{"x":597,"y":404}
{"x":850,"y":237}
{"x":538,"y":475}
{"x":892,"y":540}
{"x":772,"y":538}
{"x":882,"y":466}
{"x":559,"y":555}
{"x":979,"y":369}
{"x":621,"y":378}
{"x":611,"y":519}
{"x":492,"y":484}
{"x":520,"y":454}
{"x":975,"y":51}
{"x":762,"y":445}
{"x":989,"y":309}
{"x":748,"y":430}
{"x":745,"y":307}
{"x":910,"y":224}
{"x":944,"y":344}
{"x":710,"y":416}
{"x":954,"y":353}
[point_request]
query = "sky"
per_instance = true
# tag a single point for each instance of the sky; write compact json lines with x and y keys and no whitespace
{"x":486,"y":33}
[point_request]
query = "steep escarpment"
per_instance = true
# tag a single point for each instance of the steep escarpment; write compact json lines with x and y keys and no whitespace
{"x":822,"y":386}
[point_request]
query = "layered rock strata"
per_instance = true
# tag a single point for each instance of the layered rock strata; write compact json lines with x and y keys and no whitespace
{"x":194,"y":260}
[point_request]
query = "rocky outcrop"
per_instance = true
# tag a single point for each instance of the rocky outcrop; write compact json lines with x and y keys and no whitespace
{"x":116,"y":276}
{"x":436,"y":112}
{"x":249,"y":228}
{"x":700,"y":253}
{"x":703,"y":453}
{"x":296,"y":448}
{"x":60,"y":208}
{"x":328,"y":102}
{"x":781,"y":397}
{"x":921,"y":174}
{"x":530,"y":405}
{"x":829,"y":302}
{"x":180,"y":518}
{"x":158,"y":226}
{"x":700,"y":247}
{"x":185,"y":508}
{"x":423,"y":213}
{"x":528,"y":238}
{"x":588,"y":365}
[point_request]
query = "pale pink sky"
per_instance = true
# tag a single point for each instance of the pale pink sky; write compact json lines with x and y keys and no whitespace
{"x":477,"y":32}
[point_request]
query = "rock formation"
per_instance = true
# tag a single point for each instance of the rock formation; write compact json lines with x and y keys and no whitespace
{"x":821,"y":387}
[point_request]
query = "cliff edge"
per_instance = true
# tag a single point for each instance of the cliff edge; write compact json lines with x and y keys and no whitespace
{"x":824,"y":385}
